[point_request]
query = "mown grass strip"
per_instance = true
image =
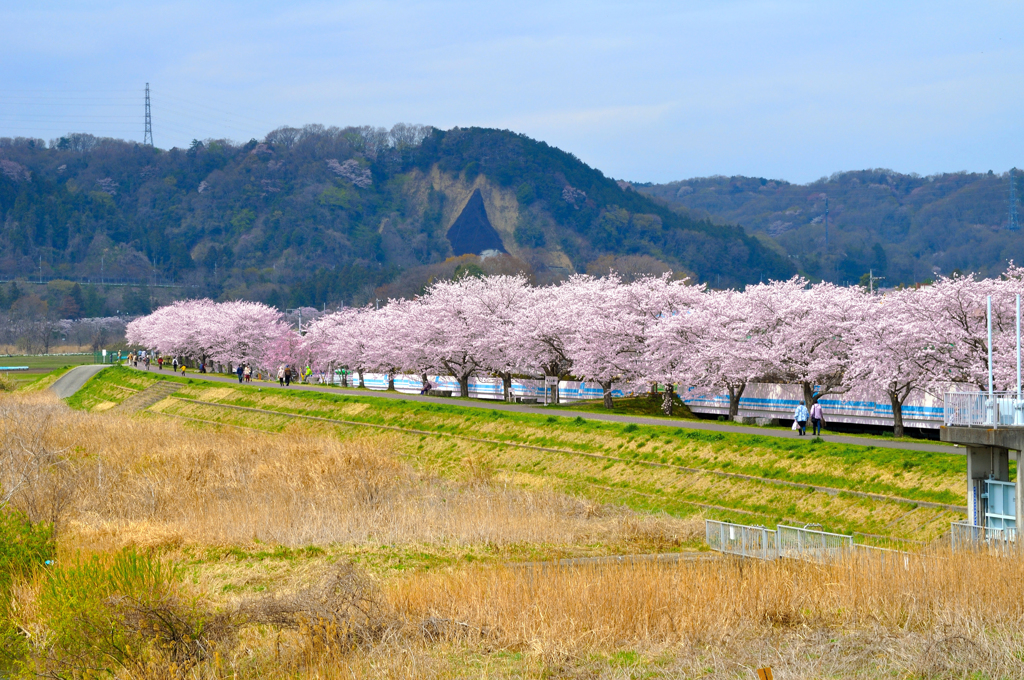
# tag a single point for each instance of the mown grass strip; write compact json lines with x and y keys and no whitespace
{"x":681,"y":446}
{"x":718,"y":473}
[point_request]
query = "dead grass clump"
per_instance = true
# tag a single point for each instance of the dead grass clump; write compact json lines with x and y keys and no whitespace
{"x":39,"y":469}
{"x":341,"y":613}
{"x":344,"y":597}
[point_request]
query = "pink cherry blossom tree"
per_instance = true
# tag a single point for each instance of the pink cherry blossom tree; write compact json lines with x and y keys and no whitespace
{"x":803,"y":334}
{"x":180,"y":329}
{"x":451,"y":332}
{"x":893,"y":352}
{"x":708,"y":346}
{"x":615,"y":326}
{"x":497,"y":304}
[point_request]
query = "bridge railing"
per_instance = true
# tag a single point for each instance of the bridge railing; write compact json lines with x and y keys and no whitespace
{"x":970,"y":409}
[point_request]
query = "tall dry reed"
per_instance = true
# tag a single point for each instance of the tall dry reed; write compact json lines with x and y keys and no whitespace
{"x":155,"y":481}
{"x":714,"y":605}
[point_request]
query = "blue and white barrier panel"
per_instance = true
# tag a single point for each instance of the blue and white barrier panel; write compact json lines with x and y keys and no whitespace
{"x":485,"y":388}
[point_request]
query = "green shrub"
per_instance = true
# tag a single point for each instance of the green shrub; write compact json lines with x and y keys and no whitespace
{"x":24,"y":547}
{"x":121,"y":611}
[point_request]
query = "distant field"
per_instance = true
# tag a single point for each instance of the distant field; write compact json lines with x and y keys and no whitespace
{"x":39,"y":365}
{"x":46,"y":362}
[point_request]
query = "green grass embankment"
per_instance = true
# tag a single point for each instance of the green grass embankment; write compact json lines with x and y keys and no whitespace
{"x":640,"y":466}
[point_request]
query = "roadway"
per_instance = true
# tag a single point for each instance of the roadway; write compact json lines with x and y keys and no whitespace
{"x":73,"y":380}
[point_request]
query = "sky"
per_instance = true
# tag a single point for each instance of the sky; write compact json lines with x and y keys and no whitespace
{"x":644,"y":91}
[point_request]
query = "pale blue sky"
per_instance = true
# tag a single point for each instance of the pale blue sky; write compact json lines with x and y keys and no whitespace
{"x":645,"y":91}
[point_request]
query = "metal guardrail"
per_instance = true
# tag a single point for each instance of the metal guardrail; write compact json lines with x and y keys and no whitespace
{"x":789,"y":542}
{"x":740,"y":539}
{"x":812,"y":545}
{"x":970,"y":409}
{"x":967,"y":536}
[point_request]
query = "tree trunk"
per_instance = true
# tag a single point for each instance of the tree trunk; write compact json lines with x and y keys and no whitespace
{"x":653,"y":394}
{"x":391,"y":381}
{"x":735,"y":394}
{"x":464,"y":386}
{"x":344,"y":377}
{"x":607,"y":387}
{"x":897,"y":414}
{"x":810,"y":398}
{"x":506,"y":384}
{"x":362,"y":383}
{"x":668,"y":401}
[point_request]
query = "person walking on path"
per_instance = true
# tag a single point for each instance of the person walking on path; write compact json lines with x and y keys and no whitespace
{"x":160,"y":363}
{"x":175,"y":364}
{"x":800,"y":416}
{"x":287,"y":376}
{"x":817,"y":419}
{"x":240,"y":371}
{"x":248,"y":373}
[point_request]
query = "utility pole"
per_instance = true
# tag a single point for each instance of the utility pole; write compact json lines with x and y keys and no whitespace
{"x":299,"y":310}
{"x":871,"y":281}
{"x":826,"y":231}
{"x":1013,"y":226}
{"x":147,"y":137}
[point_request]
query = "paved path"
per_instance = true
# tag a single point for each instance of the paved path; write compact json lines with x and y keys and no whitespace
{"x":708,"y":425}
{"x":72,"y":381}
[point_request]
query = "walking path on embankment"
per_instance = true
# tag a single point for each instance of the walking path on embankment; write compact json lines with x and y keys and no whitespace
{"x":713,"y":426}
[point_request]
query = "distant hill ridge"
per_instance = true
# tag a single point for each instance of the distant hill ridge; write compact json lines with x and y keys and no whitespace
{"x":319,"y":215}
{"x":907,"y":228}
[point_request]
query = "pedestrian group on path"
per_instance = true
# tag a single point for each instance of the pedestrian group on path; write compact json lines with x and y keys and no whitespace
{"x":801,"y":416}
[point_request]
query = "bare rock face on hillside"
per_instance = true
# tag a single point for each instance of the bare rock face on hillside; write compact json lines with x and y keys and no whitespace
{"x":472,"y":233}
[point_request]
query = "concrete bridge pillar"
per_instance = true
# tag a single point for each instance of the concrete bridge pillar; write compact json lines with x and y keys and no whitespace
{"x":985,"y":462}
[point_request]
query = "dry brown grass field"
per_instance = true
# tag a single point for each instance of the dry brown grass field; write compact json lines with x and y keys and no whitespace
{"x":310,"y":552}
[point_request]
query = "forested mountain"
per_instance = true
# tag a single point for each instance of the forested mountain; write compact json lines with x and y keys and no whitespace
{"x":904,"y":227}
{"x":323,"y":215}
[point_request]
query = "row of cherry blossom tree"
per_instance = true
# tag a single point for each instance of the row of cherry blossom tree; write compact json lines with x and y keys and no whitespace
{"x":828,"y":339}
